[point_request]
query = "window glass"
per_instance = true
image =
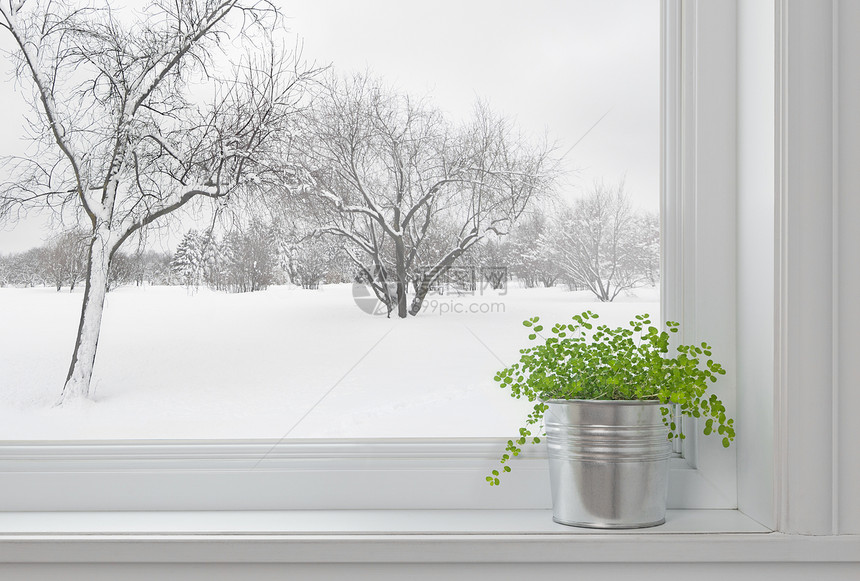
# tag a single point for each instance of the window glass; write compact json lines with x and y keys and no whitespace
{"x":278,"y":314}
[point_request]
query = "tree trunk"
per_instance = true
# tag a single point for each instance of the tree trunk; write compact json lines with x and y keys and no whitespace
{"x":83,"y":359}
{"x":402,"y":283}
{"x":427,"y":282}
{"x":603,"y":291}
{"x":420,"y":295}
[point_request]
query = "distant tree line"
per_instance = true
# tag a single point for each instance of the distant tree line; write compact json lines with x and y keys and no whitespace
{"x":62,"y":263}
{"x":254,"y":257}
{"x":598,"y":243}
{"x":240,"y":261}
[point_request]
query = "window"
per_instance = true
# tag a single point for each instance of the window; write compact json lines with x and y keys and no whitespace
{"x":704,"y":478}
{"x":194,"y":360}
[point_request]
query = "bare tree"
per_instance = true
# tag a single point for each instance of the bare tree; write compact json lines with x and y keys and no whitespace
{"x":405,"y":188}
{"x":495,"y":257}
{"x":121,"y":271}
{"x":150,"y":266}
{"x":534,"y":257}
{"x":27,"y":268}
{"x":597,"y":242}
{"x":250,"y":258}
{"x":137,"y":119}
{"x":647,"y":229}
{"x":5,"y":270}
{"x":312,"y":260}
{"x":66,"y":258}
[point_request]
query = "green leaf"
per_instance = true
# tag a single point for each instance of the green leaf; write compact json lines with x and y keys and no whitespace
{"x":637,"y":361}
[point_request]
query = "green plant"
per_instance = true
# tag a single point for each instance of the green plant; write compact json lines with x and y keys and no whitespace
{"x":581,"y":361}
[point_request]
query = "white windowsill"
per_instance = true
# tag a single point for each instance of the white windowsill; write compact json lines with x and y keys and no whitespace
{"x":394,"y":536}
{"x":348,"y":522}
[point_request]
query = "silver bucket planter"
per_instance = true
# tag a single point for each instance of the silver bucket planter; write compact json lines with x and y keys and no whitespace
{"x":608,"y":463}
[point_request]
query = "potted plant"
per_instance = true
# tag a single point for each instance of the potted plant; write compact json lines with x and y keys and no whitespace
{"x":606,"y":398}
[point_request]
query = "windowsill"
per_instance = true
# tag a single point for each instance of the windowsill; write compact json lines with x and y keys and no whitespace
{"x":348,"y":522}
{"x":396,"y":536}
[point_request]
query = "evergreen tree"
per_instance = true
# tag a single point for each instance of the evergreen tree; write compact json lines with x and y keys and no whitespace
{"x":187,"y":264}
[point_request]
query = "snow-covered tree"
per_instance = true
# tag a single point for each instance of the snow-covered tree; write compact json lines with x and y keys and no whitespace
{"x":212,"y":259}
{"x":396,"y":176}
{"x":250,"y":258}
{"x":122,"y":270}
{"x":137,"y":116}
{"x":522,"y":247}
{"x":150,"y":266}
{"x":28,"y":268}
{"x":187,"y":264}
{"x":533,"y":255}
{"x":647,"y":229}
{"x":545,"y":256}
{"x":310,"y":261}
{"x":5,"y":272}
{"x":65,"y":258}
{"x":495,"y":261}
{"x":598,"y":244}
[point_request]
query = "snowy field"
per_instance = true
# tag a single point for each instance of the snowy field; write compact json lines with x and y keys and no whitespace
{"x":212,"y":365}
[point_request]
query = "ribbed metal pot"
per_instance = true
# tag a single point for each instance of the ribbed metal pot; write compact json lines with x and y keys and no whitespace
{"x":608,"y":463}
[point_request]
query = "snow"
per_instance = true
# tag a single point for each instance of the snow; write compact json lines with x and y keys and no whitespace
{"x":179,"y":364}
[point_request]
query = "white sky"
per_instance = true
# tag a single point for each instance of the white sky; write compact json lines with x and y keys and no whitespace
{"x":554,"y":65}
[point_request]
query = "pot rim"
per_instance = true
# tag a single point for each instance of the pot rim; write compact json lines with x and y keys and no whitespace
{"x":607,"y":401}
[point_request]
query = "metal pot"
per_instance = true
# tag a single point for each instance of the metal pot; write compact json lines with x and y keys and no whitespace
{"x":608,"y":463}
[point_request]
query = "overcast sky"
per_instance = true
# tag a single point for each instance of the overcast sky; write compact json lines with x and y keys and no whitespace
{"x":553,"y":65}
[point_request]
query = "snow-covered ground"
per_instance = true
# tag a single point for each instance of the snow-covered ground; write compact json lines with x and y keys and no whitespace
{"x":214,"y":365}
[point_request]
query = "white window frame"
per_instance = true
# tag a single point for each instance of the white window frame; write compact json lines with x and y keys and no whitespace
{"x":698,"y":208}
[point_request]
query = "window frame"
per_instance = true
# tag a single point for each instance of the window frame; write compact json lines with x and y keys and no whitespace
{"x":698,"y":158}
